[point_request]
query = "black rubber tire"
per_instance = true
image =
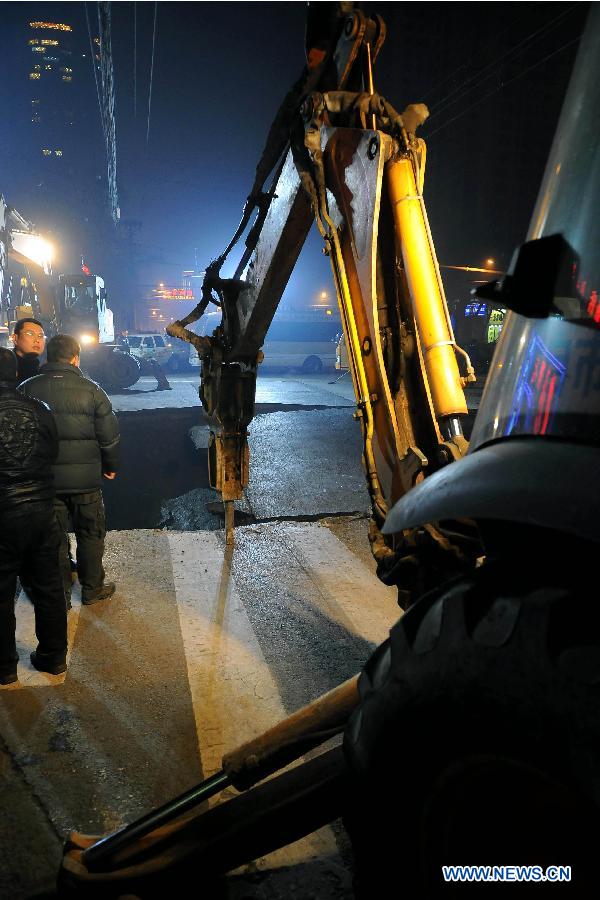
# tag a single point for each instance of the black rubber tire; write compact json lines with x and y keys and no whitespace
{"x":312,"y":365}
{"x":479,"y":734}
{"x":119,"y":370}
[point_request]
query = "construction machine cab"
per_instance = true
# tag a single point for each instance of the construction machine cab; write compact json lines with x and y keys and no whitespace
{"x":82,"y":309}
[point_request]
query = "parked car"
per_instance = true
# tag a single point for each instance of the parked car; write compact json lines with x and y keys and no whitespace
{"x":145,"y":346}
{"x":180,"y":360}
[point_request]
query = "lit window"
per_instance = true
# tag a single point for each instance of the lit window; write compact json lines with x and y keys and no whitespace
{"x":33,"y":41}
{"x":38,"y":49}
{"x":97,"y":40}
{"x":52,"y":58}
{"x":58,"y":152}
{"x":35,"y":119}
{"x":35,"y":102}
{"x":67,"y":78}
{"x":34,"y":75}
{"x":37,"y":68}
{"x":49,"y":43}
{"x":47,"y":67}
{"x":47,"y":152}
{"x":54,"y":26}
{"x":66,"y":69}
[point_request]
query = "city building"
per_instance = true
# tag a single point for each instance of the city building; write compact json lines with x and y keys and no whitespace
{"x":53,"y":166}
{"x":53,"y":66}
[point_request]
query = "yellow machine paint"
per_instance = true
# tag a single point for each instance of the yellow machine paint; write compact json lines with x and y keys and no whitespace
{"x":431,"y":314}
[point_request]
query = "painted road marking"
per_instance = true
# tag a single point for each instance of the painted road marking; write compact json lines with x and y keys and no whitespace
{"x":350,"y":594}
{"x":234,"y":694}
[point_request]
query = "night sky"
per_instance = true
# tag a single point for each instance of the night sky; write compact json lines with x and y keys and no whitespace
{"x":493,"y":74}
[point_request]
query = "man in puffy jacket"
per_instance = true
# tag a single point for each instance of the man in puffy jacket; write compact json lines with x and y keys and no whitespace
{"x":30,"y":536}
{"x":88,"y":449}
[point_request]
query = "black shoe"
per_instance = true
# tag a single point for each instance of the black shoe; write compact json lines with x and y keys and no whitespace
{"x":103,"y":593}
{"x":46,"y":663}
{"x":8,"y":677}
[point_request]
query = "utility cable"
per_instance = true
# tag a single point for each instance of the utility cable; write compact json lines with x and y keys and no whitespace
{"x":475,"y":80}
{"x":135,"y":60}
{"x":466,"y":65}
{"x":108,"y":105}
{"x":151,"y":71}
{"x":87,"y":18}
{"x":503,"y":85}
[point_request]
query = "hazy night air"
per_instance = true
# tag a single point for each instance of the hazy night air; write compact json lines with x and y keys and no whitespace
{"x":493,"y":76}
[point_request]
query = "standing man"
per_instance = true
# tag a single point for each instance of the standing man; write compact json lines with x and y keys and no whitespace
{"x":29,"y":340}
{"x":30,"y":538}
{"x":89,"y":440}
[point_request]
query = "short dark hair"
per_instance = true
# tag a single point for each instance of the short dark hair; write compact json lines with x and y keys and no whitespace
{"x":62,"y":348}
{"x":22,"y":322}
{"x":8,"y":365}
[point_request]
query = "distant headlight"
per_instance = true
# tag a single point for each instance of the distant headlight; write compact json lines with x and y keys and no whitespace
{"x":87,"y":339}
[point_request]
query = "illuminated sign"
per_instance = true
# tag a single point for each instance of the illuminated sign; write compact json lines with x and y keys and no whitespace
{"x":55,"y":26}
{"x":176,"y":294}
{"x":475,"y":309}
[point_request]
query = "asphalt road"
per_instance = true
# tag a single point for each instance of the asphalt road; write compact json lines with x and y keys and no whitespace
{"x":202,"y":647}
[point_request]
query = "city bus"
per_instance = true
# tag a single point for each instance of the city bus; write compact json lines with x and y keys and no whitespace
{"x":304,"y":341}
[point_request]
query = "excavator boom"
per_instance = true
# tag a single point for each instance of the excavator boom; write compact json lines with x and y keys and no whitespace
{"x":339,"y":154}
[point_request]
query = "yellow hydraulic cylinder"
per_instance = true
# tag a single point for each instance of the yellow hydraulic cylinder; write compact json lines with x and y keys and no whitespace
{"x":431,"y":316}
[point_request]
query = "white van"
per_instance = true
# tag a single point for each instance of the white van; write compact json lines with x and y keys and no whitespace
{"x":304,"y":341}
{"x":341,"y":352}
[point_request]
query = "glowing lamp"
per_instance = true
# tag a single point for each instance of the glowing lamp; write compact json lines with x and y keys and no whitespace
{"x":34,"y":248}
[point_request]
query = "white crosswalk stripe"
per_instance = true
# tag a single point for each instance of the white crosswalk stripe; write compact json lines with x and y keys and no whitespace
{"x":234,"y":694}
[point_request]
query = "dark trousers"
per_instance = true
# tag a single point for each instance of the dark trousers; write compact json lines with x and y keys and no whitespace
{"x":30,"y":543}
{"x":86,"y":513}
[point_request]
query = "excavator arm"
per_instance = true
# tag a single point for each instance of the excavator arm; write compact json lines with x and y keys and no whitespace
{"x":339,"y":154}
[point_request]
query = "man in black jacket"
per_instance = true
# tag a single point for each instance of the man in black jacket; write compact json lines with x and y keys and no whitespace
{"x":30,"y":537}
{"x":89,"y":440}
{"x":29,"y":341}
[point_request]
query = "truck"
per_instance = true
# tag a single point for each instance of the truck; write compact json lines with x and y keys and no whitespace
{"x":76,"y":305}
{"x":472,"y":733}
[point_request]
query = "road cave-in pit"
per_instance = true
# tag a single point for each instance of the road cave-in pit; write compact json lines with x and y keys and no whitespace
{"x":304,"y":465}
